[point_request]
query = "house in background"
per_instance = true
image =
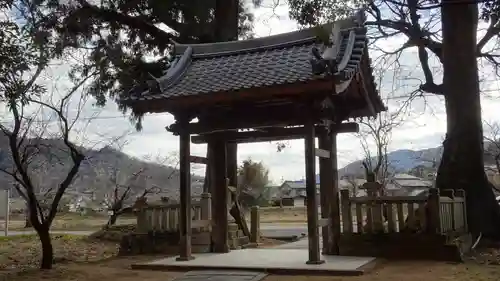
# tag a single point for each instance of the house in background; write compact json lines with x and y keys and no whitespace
{"x":295,"y":192}
{"x":407,"y":185}
{"x":272,"y":192}
{"x":353,"y":185}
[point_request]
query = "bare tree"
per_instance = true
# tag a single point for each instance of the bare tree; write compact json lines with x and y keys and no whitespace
{"x":38,"y":126}
{"x":492,"y":142}
{"x":353,"y":184}
{"x":375,"y":136}
{"x":123,"y":184}
{"x":32,"y":139}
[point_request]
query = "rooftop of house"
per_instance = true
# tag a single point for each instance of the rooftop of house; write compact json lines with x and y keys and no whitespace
{"x":406,"y":180}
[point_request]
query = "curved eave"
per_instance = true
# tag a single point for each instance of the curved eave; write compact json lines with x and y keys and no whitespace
{"x":149,"y":104}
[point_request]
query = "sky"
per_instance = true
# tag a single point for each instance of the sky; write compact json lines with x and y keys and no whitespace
{"x":423,"y":128}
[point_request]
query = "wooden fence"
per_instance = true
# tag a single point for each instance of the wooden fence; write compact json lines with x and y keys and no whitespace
{"x":434,"y":213}
{"x":165,"y":218}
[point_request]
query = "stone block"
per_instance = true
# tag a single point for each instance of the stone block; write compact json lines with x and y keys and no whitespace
{"x":233,"y":227}
{"x":232,"y":234}
{"x":243,"y":240}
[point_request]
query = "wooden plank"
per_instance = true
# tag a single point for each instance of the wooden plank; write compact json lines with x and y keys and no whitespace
{"x":346,"y":211}
{"x":201,"y":223}
{"x":377,"y":217}
{"x":389,"y":199}
{"x":450,"y":200}
{"x":322,"y":153}
{"x":401,"y":216}
{"x":198,"y":159}
{"x":452,"y":215}
{"x":369,"y":218}
{"x":271,"y":134}
{"x":422,"y":216}
{"x":433,"y":205}
{"x":185,"y":196}
{"x":391,"y":223}
{"x":411,"y":215}
{"x":359,"y":217}
{"x":312,"y":205}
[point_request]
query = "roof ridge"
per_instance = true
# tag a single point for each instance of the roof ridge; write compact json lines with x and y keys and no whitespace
{"x":268,"y":42}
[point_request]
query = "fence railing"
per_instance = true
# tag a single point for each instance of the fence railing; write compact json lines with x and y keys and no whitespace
{"x":434,"y":213}
{"x":166,"y":217}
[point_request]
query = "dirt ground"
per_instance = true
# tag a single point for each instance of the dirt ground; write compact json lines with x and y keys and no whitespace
{"x":283,"y":215}
{"x":82,"y":259}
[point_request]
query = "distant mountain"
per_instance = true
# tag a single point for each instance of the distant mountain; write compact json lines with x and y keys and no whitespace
{"x":95,"y":172}
{"x":399,"y":161}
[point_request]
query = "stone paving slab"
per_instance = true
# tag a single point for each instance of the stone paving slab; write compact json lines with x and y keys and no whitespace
{"x":221,"y":275}
{"x":273,"y":261}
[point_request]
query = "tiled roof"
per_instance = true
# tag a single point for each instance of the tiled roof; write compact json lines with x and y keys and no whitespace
{"x":282,"y":59}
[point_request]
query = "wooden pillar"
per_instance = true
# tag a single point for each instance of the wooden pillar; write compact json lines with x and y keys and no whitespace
{"x":312,"y":204}
{"x":328,"y":192}
{"x":219,"y":197}
{"x":232,"y":163}
{"x":335,"y":199}
{"x":185,"y":193}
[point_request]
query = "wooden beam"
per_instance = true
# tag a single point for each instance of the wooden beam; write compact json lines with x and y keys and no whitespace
{"x":242,"y":117}
{"x":185,"y":198}
{"x":217,"y":126}
{"x":322,"y":153}
{"x":312,"y":206}
{"x":198,"y":159}
{"x":271,"y":134}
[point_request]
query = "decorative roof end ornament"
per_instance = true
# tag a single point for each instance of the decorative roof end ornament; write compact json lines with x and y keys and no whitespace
{"x":327,"y":61}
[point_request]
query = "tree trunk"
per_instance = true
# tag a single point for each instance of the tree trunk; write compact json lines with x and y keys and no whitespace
{"x":27,"y":222}
{"x":462,"y":164}
{"x":47,"y":249}
{"x":112,"y":219}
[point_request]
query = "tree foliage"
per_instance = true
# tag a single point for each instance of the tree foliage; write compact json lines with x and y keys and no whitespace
{"x":128,"y":42}
{"x":253,"y":177}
